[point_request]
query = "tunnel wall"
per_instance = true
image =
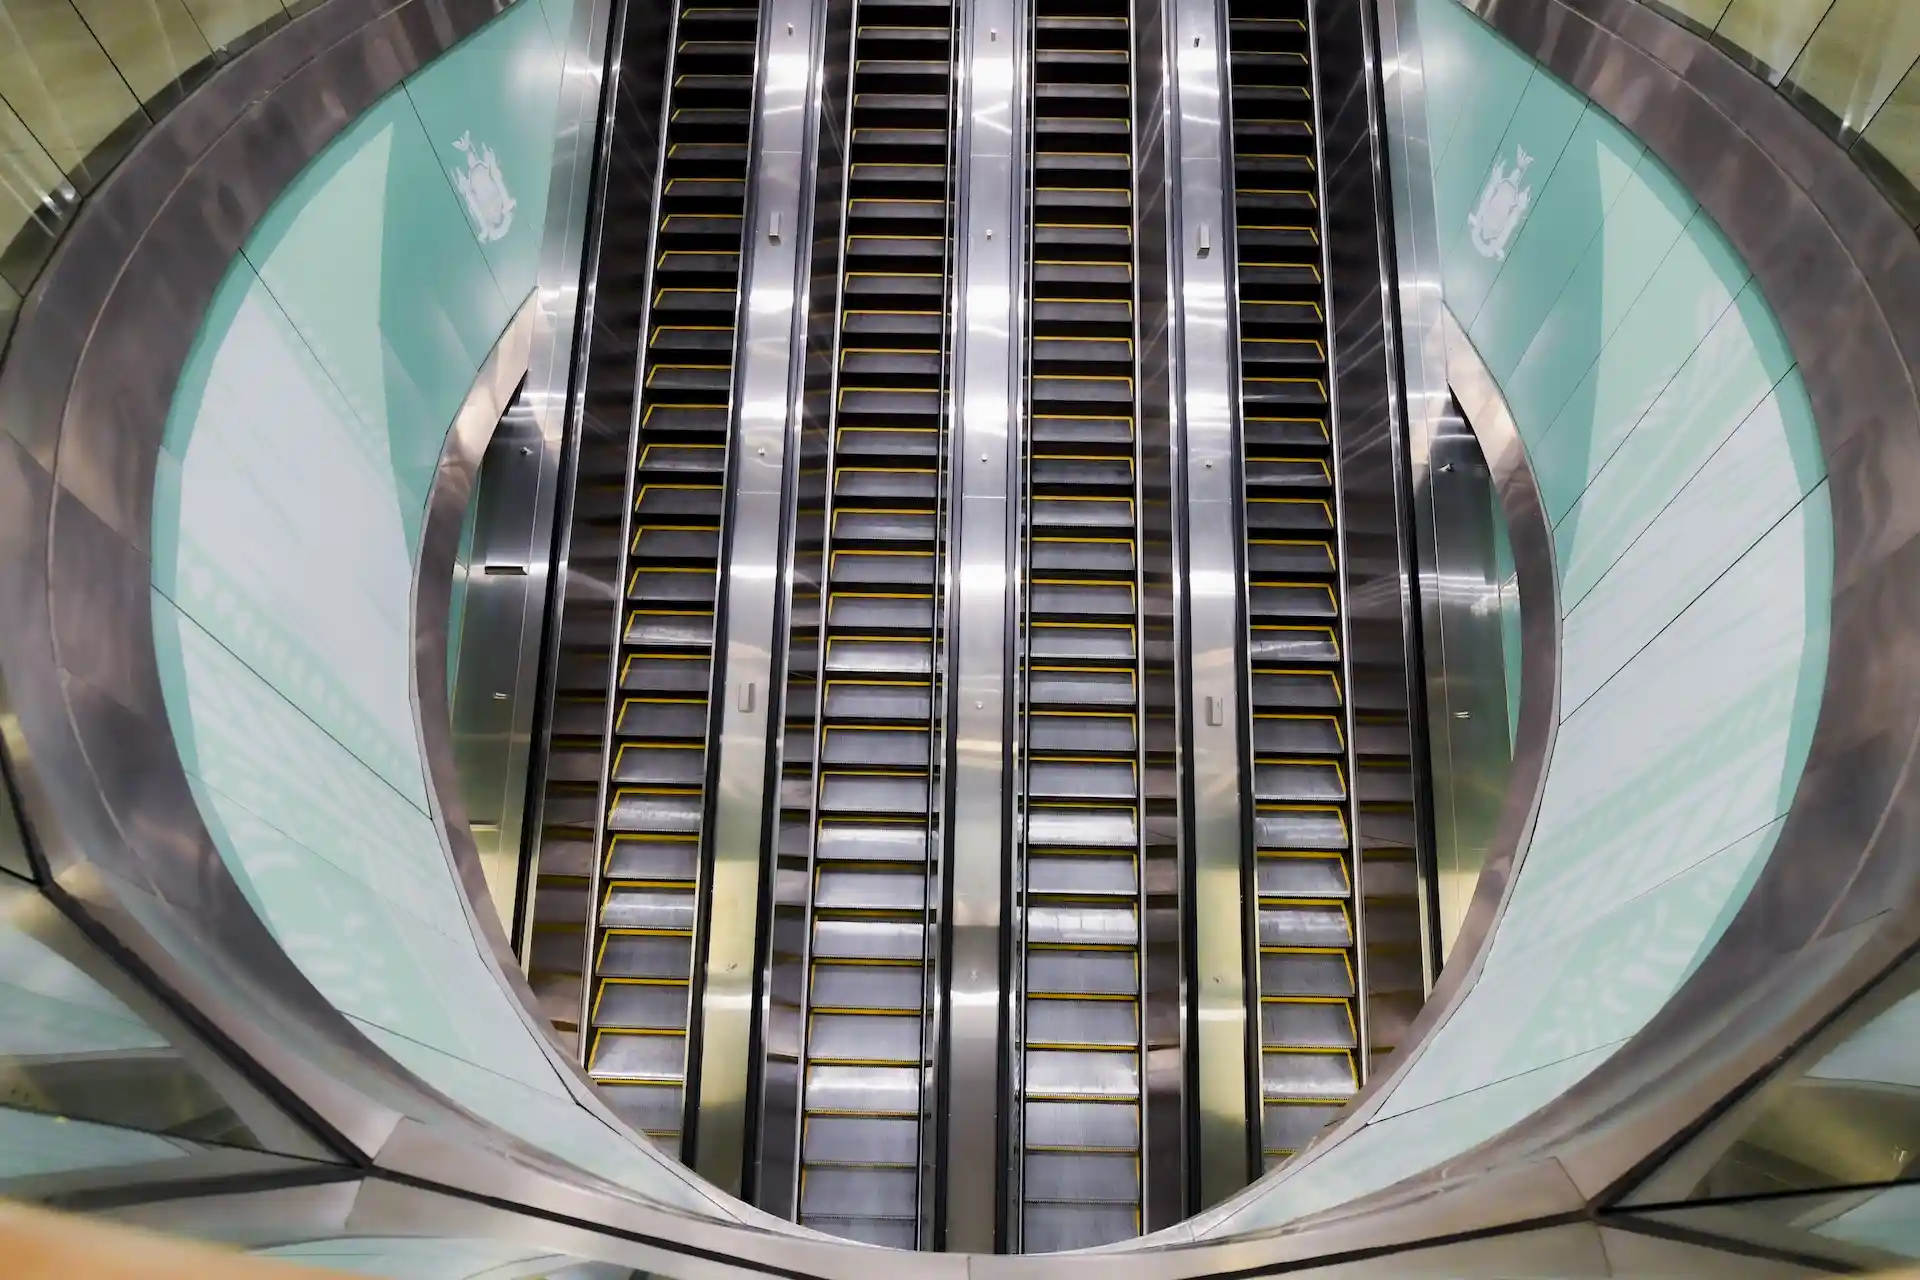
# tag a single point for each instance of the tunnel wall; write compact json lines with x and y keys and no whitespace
{"x":291,"y":488}
{"x":1682,"y":473}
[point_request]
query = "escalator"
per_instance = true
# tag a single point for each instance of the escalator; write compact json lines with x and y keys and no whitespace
{"x":868,"y":929}
{"x":1309,"y":1023}
{"x":1078,"y":955}
{"x":642,"y":945}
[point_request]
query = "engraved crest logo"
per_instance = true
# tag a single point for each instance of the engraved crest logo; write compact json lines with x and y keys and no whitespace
{"x":1503,"y":207}
{"x":484,"y":188}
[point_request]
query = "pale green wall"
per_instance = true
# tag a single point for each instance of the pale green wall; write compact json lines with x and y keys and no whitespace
{"x":1682,"y":471}
{"x":292,"y":483}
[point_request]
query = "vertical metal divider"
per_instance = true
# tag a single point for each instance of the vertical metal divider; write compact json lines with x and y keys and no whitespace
{"x":778,"y":1153}
{"x":1163,"y":1132}
{"x":1214,"y":618}
{"x":937,"y":956}
{"x":1349,"y":715}
{"x":604,"y":774}
{"x":1013,"y":1198}
{"x":987,"y":366}
{"x":771,"y":318}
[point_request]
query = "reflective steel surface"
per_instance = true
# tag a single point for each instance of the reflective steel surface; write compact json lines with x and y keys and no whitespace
{"x":982,"y":534}
{"x":1204,"y":346}
{"x":768,"y":371}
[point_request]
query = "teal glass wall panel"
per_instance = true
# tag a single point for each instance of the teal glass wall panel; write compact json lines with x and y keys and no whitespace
{"x":1594,"y":170}
{"x":490,"y":119}
{"x":34,"y":1145}
{"x":370,"y":255}
{"x":1693,"y":287}
{"x":1638,"y":232}
{"x":1525,"y":160}
{"x":297,"y":462}
{"x":1763,"y":470}
{"x":1679,"y":461}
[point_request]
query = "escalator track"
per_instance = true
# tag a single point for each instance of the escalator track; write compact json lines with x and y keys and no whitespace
{"x":642,"y":950}
{"x":1309,"y":1023}
{"x":1078,"y":1029}
{"x":870,"y":931}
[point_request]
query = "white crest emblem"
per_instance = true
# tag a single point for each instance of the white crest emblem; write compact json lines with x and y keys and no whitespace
{"x":1503,"y":207}
{"x":484,"y":188}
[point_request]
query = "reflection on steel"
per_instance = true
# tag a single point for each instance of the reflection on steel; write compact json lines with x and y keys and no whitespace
{"x":773,"y":311}
{"x":1208,"y":489}
{"x":990,"y":212}
{"x":1164,"y":995}
{"x":1392,"y":797}
{"x":569,"y":254}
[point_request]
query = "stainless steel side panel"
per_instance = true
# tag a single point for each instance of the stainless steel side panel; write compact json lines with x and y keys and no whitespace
{"x":983,"y":535}
{"x":1204,"y":347}
{"x":766,"y":398}
{"x":1163,"y":1002}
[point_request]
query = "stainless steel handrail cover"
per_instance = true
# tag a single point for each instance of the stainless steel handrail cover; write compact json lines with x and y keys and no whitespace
{"x":775,"y":282}
{"x":1208,"y":481}
{"x":982,"y":538}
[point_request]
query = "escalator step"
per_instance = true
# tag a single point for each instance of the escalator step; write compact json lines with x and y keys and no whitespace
{"x":1049,"y":779}
{"x":869,"y":939}
{"x":867,"y":986}
{"x":640,"y":1005}
{"x":891,"y":794}
{"x":875,"y":748}
{"x":889,"y":568}
{"x":1110,"y":1023}
{"x":1053,"y":1228}
{"x":651,"y":1108}
{"x":1083,"y":513}
{"x":1081,"y":1177}
{"x":833,"y":1192}
{"x":660,"y":543}
{"x":1074,"y":973}
{"x":1080,"y":687}
{"x":883,"y":526}
{"x":1082,"y":1073}
{"x":895,"y":484}
{"x":662,"y":718}
{"x":1269,"y":644}
{"x":1304,"y":780}
{"x":1080,"y":925}
{"x":1081,"y":599}
{"x":1082,"y":1126}
{"x":853,"y":611}
{"x":1301,"y":973}
{"x":1082,"y":733}
{"x":1290,"y":1126}
{"x":703,"y":419}
{"x":689,"y":676}
{"x":853,"y":654}
{"x":1289,"y":514}
{"x":1082,"y":875}
{"x":1082,"y":555}
{"x":668,"y":503}
{"x":864,"y":1039}
{"x":1299,"y":827}
{"x":669,"y":629}
{"x":704,"y":458}
{"x":689,"y":586}
{"x":1315,"y":876}
{"x":1267,"y":556}
{"x":892,"y":323}
{"x":627,"y":907}
{"x":666,"y":766}
{"x":1307,"y":1075}
{"x":1067,"y":827}
{"x":896,"y":701}
{"x":1291,"y":600}
{"x":1304,"y":925}
{"x":1307,"y":1024}
{"x":1058,"y":641}
{"x":1295,"y":689}
{"x":645,"y":955}
{"x":870,"y":842}
{"x":861,"y":1140}
{"x":658,"y":812}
